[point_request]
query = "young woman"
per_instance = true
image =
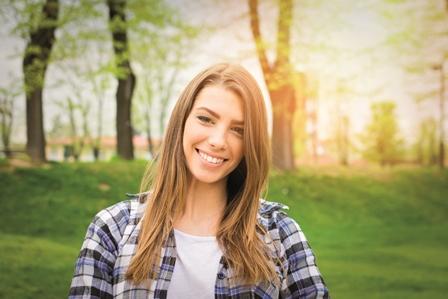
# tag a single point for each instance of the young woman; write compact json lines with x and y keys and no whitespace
{"x":199,"y":228}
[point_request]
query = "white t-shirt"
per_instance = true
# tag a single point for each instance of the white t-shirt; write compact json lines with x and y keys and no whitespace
{"x":196,"y":267}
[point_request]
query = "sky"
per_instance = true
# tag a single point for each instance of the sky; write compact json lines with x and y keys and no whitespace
{"x":340,"y":45}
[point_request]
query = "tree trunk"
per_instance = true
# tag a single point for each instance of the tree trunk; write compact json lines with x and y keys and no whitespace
{"x":99,"y":131}
{"x":442,"y":118}
{"x":125,"y":148}
{"x":6,"y":116}
{"x":35,"y":63}
{"x":343,"y":139}
{"x":279,"y":81}
{"x":283,"y":102}
{"x":314,"y":133}
{"x":125,"y":76}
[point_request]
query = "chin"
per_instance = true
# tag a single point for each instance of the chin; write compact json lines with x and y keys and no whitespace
{"x":207,"y":178}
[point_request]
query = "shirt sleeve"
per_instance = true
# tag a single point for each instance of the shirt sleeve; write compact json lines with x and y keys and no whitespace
{"x":95,"y":263}
{"x":303,"y":278}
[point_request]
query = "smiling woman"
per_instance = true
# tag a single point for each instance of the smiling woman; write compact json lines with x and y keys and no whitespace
{"x":213,"y":140}
{"x":199,"y":229}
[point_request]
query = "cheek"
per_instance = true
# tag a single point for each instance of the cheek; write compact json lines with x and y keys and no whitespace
{"x":238,"y":148}
{"x":186,"y":135}
{"x":193,"y":134}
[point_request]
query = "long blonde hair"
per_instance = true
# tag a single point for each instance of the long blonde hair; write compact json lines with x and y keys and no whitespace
{"x":244,"y":251}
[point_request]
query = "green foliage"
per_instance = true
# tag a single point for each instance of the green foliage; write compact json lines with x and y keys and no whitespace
{"x":28,"y":20}
{"x":377,"y":233}
{"x":381,"y":137}
{"x":25,"y":15}
{"x":426,"y":146}
{"x":159,"y":56}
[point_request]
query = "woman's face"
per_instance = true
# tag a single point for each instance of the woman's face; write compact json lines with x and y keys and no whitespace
{"x":213,"y":135}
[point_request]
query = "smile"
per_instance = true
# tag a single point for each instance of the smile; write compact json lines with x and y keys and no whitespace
{"x":210,"y":159}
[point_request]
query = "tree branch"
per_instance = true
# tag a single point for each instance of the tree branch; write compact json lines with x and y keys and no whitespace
{"x":284,"y":32}
{"x":255,"y":27}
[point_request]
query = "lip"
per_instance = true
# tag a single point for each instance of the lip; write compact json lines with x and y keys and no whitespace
{"x":211,"y":155}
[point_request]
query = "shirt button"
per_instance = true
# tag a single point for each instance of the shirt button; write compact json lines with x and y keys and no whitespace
{"x":221,"y":276}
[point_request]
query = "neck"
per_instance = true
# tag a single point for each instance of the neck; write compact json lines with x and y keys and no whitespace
{"x":204,"y":207}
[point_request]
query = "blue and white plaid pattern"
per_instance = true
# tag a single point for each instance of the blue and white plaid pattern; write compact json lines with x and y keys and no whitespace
{"x":111,"y":241}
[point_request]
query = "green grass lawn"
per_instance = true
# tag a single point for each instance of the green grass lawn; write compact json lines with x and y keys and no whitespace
{"x":377,"y":233}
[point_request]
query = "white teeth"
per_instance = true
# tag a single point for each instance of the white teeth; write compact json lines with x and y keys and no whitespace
{"x":210,"y":159}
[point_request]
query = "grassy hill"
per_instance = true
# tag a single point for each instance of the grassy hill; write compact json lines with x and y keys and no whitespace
{"x":377,"y":233}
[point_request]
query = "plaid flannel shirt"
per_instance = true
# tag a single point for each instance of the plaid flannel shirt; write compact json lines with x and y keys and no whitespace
{"x":111,"y":242}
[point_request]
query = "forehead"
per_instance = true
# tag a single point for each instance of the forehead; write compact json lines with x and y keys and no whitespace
{"x":222,"y":101}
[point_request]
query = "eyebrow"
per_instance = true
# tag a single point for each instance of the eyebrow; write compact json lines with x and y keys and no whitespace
{"x":214,"y":114}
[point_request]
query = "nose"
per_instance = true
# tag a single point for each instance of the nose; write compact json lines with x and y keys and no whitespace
{"x":217,"y":139}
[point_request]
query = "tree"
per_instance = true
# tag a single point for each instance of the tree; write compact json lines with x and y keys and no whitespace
{"x":279,"y":78}
{"x":74,"y":24}
{"x":79,"y":73}
{"x":381,"y":139}
{"x":143,"y":109}
{"x":100,"y":83}
{"x":342,"y":122}
{"x":58,"y":128}
{"x":125,"y":77}
{"x":146,"y":18}
{"x":342,"y":138}
{"x":420,"y":38}
{"x":84,"y":54}
{"x":76,"y":106}
{"x":159,"y":58}
{"x":312,"y":121}
{"x":442,"y":96}
{"x":426,"y":145}
{"x":35,"y":63}
{"x":71,"y":106}
{"x":7,"y":98}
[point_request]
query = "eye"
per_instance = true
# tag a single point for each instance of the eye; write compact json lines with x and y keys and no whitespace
{"x":238,"y":130}
{"x":204,"y":119}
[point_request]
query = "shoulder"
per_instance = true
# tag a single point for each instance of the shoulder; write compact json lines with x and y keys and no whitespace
{"x":274,"y":217}
{"x":122,"y":212}
{"x":269,"y":208}
{"x":109,"y":224}
{"x":116,"y":215}
{"x":273,"y":214}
